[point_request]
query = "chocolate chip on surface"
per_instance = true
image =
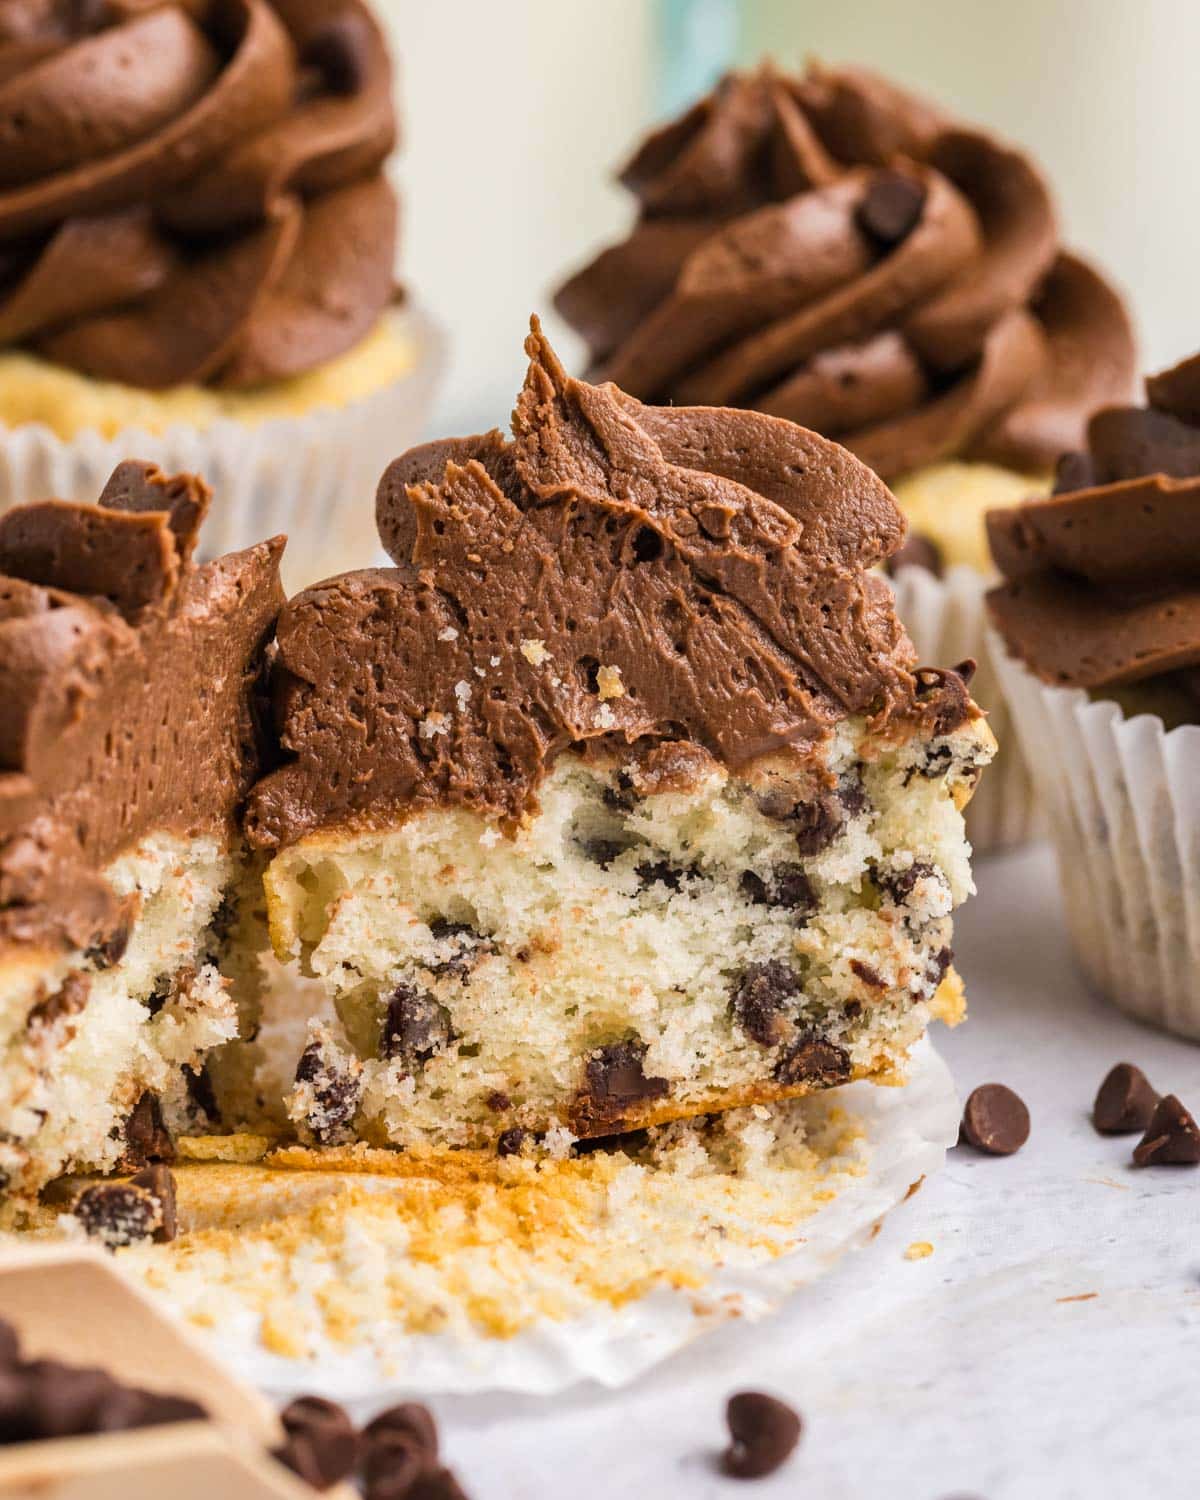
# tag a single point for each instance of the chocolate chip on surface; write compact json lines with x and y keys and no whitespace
{"x":1125,"y":1102}
{"x":813,"y":1058}
{"x":415,"y":1027}
{"x":321,"y":1445}
{"x":1172,"y":1137}
{"x":891,"y":208}
{"x":328,"y":1089}
{"x":762,"y":1001}
{"x":995,"y":1120}
{"x":616,"y":1081}
{"x":400,"y":1451}
{"x":763,"y":1433}
{"x":918,"y":550}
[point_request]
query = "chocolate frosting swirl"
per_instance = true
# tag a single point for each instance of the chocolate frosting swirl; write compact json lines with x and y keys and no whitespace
{"x":613,"y":575}
{"x":1102,"y":580}
{"x":193,"y":190}
{"x":831,"y":250}
{"x":127,"y":674}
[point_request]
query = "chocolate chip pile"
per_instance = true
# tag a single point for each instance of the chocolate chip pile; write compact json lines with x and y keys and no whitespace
{"x":1127,"y":1102}
{"x":42,"y":1398}
{"x":395,"y":1455}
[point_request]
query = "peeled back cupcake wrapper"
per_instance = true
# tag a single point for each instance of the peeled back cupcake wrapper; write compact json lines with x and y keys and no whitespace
{"x":309,"y":477}
{"x":1123,"y":801}
{"x":947,"y":621}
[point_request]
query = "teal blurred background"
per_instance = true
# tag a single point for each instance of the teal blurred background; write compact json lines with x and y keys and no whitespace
{"x":517,"y":115}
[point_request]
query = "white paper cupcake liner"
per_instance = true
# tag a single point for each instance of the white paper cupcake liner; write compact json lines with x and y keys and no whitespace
{"x":312,"y":476}
{"x":1122,"y":798}
{"x":947,"y":620}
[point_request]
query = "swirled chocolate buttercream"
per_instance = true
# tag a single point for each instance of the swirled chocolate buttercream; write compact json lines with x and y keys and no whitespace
{"x":831,"y":250}
{"x":1102,"y":580}
{"x":193,"y":192}
{"x":127,"y":675}
{"x":614,"y":574}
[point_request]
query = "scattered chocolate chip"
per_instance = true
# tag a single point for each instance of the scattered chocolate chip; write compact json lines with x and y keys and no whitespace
{"x":118,"y":1213}
{"x":1125,"y":1102}
{"x":812,"y":1058}
{"x":1172,"y":1137}
{"x":995,"y":1120}
{"x":616,"y":1081}
{"x":400,"y":1450}
{"x":511,"y":1141}
{"x":916,"y":551}
{"x":763,"y":1433}
{"x":1075,"y":471}
{"x":498,"y":1101}
{"x":415,"y":1027}
{"x":762,"y":1000}
{"x":68,"y":1000}
{"x":147,"y":1138}
{"x":321,"y":1445}
{"x":159,"y":1181}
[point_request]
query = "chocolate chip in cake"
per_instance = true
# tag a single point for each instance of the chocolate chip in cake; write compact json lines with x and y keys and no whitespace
{"x":1125,"y":1101}
{"x":400,"y":1451}
{"x":68,"y":1000}
{"x":328,"y":1089}
{"x":918,"y":550}
{"x":869,"y":975}
{"x":498,"y":1101}
{"x":817,"y":823}
{"x":415,"y":1027}
{"x":467,"y":947}
{"x":109,"y":947}
{"x":763,"y":1000}
{"x":812,"y":1058}
{"x":995,"y":1120}
{"x":788,"y":887}
{"x":118,"y":1213}
{"x":939,"y":964}
{"x":851,"y":792}
{"x":511,"y":1142}
{"x":321,"y":1444}
{"x":602,"y":852}
{"x":945,"y":698}
{"x":763,"y":1433}
{"x":159,"y":1181}
{"x":147,"y":1138}
{"x":900,"y":884}
{"x":201,"y":1096}
{"x":616,"y":1081}
{"x":662,"y":871}
{"x":1172,"y":1137}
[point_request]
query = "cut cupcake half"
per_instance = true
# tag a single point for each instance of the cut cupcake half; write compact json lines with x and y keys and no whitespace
{"x":127,"y":893}
{"x":618,"y":799}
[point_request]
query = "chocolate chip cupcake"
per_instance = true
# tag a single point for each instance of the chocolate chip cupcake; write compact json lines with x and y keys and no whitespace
{"x":128,"y":742}
{"x":1098,"y":648}
{"x":197,"y":246}
{"x":618,"y":798}
{"x":832,"y":250}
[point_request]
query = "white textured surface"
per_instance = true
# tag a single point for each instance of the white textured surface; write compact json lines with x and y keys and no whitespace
{"x":962,"y":1374}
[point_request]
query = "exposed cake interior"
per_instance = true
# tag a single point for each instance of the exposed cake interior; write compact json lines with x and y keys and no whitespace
{"x":661,"y":939}
{"x":618,"y":799}
{"x":129,"y":901}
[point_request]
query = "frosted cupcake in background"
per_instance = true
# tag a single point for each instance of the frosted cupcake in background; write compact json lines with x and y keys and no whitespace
{"x":197,"y":247}
{"x":829,"y":249}
{"x":1098,"y":649}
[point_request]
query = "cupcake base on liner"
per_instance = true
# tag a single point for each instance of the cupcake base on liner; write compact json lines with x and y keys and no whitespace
{"x":947,"y":620}
{"x":1122,"y":798}
{"x":312,"y":476}
{"x":364,"y":1275}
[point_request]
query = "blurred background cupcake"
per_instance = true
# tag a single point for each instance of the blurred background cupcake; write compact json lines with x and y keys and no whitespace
{"x":831,"y":249}
{"x":197,"y":260}
{"x":1098,"y":649}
